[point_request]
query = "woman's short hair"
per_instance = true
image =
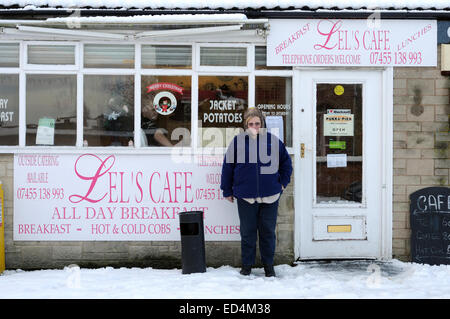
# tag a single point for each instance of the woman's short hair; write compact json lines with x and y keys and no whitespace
{"x":253,"y":112}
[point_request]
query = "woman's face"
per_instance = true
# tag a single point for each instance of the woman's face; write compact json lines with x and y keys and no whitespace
{"x":254,"y":124}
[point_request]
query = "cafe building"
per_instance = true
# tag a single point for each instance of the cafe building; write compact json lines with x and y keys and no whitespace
{"x":114,"y":118}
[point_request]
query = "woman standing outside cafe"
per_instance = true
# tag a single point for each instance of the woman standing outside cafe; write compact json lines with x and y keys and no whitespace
{"x":256,"y":169}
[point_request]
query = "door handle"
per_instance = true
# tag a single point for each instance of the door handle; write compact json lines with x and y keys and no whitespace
{"x":302,"y":150}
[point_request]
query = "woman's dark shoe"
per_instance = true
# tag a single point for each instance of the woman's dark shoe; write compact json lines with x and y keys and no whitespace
{"x":269,"y":270}
{"x":246,"y":270}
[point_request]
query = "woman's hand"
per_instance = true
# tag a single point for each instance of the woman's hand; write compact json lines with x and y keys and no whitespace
{"x":230,"y":199}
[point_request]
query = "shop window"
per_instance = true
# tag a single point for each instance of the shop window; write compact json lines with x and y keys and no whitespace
{"x":51,"y":54}
{"x":166,"y":56}
{"x":108,"y":110}
{"x":108,"y":56}
{"x":166,"y":111}
{"x":51,"y":109}
{"x":9,"y":55}
{"x":222,"y":101}
{"x":261,"y":61}
{"x":223,"y":56}
{"x":273,"y":96}
{"x":9,"y":109}
{"x":339,"y":142}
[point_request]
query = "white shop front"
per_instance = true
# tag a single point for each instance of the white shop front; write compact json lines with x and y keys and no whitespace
{"x":74,"y":90}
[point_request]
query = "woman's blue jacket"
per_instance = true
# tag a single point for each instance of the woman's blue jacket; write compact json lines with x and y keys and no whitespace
{"x":255,"y":167}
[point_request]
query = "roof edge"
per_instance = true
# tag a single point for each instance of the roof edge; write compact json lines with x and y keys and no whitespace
{"x":250,"y":13}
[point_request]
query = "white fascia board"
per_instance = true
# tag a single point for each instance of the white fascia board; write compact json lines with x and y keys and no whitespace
{"x":71,"y":32}
{"x":187,"y":31}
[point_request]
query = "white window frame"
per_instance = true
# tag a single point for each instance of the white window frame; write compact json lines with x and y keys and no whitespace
{"x":220,"y":150}
{"x":81,"y":58}
{"x":140,"y":71}
{"x":25,"y":68}
{"x":166,"y":44}
{"x":14,"y":68}
{"x":58,"y":67}
{"x":15,"y":71}
{"x":23,"y":110}
{"x":219,"y":69}
{"x":280,"y":74}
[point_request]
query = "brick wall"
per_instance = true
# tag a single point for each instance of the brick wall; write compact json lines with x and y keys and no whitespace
{"x":421,"y":142}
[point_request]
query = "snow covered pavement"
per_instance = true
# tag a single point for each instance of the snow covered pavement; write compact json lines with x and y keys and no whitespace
{"x":336,"y":279}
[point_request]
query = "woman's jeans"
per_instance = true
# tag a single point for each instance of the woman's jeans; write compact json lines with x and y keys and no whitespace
{"x":258,"y":219}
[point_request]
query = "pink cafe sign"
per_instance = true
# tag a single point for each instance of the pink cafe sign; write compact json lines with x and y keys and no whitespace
{"x":118,"y":197}
{"x":338,"y":42}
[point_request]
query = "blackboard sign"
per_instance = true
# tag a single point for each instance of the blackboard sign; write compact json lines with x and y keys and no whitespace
{"x":430,"y":225}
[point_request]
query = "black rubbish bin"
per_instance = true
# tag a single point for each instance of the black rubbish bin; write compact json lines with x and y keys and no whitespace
{"x":192,"y":242}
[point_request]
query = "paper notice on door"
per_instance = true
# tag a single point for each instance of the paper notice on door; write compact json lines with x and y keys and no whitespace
{"x":340,"y":124}
{"x":336,"y":160}
{"x":45,"y":134}
{"x":275,"y":126}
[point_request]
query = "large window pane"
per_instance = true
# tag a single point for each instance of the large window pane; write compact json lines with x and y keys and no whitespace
{"x":108,"y":56}
{"x":273,"y":97}
{"x":9,"y":109}
{"x":108,"y":110}
{"x":166,"y":56}
{"x":51,"y":54}
{"x":339,"y":143}
{"x":166,"y":110}
{"x":222,"y":101}
{"x":223,"y":56}
{"x":9,"y":55}
{"x":51,"y":109}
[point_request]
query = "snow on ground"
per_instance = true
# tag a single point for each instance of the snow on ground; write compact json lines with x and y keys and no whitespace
{"x":337,"y":279}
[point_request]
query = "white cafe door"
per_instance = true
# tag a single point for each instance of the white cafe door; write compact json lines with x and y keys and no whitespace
{"x":339,"y":164}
